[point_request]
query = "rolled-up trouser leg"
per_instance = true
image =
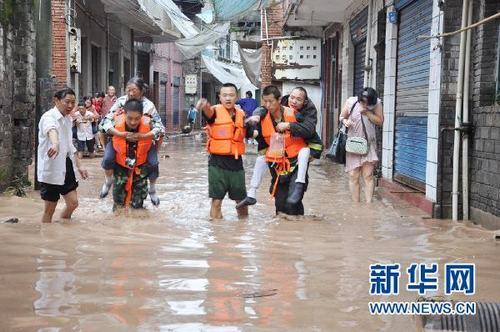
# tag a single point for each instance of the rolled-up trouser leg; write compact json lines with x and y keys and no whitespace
{"x":303,"y":163}
{"x":258,"y":173}
{"x":108,"y":159}
{"x":153,"y":162}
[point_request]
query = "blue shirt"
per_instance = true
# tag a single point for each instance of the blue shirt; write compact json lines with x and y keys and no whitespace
{"x":248,"y":105}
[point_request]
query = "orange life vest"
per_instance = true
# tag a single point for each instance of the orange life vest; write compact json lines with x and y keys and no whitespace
{"x":225,"y":136}
{"x":292,"y":145}
{"x":120,"y":145}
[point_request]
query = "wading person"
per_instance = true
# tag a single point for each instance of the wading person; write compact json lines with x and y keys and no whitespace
{"x":136,"y":88}
{"x":226,"y":134}
{"x":360,"y":115}
{"x":282,"y":151}
{"x":83,"y":121}
{"x":57,"y":158}
{"x":130,"y":174}
{"x":304,"y":127}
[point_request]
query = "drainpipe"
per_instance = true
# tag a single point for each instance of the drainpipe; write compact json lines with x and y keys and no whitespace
{"x":465,"y":142}
{"x":458,"y":112}
{"x":367,"y":68}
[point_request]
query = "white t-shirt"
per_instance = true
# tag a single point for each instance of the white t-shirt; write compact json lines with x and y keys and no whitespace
{"x":84,"y":126}
{"x":53,"y":171}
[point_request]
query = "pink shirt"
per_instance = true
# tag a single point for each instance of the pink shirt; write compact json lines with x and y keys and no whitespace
{"x":107,"y":103}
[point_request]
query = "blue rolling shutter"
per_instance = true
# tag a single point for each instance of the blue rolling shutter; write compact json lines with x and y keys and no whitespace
{"x":358,"y":27}
{"x":412,"y":93}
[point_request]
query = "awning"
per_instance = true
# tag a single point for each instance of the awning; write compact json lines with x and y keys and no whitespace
{"x":148,"y":19}
{"x":316,"y":12}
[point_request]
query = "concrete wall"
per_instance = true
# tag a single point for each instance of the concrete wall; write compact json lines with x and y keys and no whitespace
{"x":168,"y":60}
{"x":484,"y":145}
{"x":17,"y":89}
{"x":91,"y":19}
{"x":485,"y":153}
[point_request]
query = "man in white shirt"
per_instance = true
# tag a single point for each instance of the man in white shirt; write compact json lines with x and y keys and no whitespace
{"x":83,"y":121}
{"x":56,"y":157}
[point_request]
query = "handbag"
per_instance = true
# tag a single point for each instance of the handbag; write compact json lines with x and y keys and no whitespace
{"x":336,"y":153}
{"x":358,"y":145}
{"x":337,"y":150}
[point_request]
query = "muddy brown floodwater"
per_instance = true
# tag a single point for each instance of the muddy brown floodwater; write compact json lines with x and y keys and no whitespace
{"x":172,"y":269}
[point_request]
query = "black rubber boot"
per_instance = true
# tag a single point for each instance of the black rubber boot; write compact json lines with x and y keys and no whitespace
{"x":297,"y":194}
{"x":246,"y":201}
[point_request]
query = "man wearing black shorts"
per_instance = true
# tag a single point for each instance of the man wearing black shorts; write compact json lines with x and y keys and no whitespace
{"x":56,"y":157}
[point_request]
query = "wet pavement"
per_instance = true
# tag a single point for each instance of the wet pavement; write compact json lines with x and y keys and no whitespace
{"x":172,"y":269}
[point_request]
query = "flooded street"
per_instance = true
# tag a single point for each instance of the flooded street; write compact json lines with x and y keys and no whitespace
{"x":172,"y":269}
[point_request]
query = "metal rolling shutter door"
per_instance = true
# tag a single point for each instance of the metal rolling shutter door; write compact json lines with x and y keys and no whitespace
{"x":412,"y":93}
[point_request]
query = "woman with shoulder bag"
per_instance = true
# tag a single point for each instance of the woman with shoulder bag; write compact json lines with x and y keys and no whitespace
{"x":360,"y":115}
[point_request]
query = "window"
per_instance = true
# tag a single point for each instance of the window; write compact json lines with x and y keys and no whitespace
{"x":290,"y":48}
{"x":277,"y":57}
{"x":301,"y":56}
{"x":308,"y":56}
{"x":308,"y":48}
{"x":314,"y":48}
{"x":290,"y":57}
{"x":302,"y":48}
{"x":96,"y":68}
{"x":314,"y":56}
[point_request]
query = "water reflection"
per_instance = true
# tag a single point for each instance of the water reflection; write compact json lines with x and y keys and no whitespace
{"x":172,"y":269}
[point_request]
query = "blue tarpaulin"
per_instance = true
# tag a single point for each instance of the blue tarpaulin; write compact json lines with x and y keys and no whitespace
{"x":226,"y":10}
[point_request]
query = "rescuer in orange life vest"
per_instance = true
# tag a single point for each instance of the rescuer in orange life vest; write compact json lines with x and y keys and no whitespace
{"x":226,"y":134}
{"x":131,"y":172}
{"x":281,"y":150}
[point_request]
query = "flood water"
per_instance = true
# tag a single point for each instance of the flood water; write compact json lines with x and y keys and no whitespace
{"x":172,"y":269}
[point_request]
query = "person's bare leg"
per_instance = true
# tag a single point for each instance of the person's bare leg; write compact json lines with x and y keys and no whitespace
{"x":80,"y":155}
{"x":367,"y":170}
{"x":354,"y":183}
{"x":48,"y":211}
{"x":71,"y":200}
{"x":242,"y":211}
{"x":101,"y":139}
{"x":216,"y":209}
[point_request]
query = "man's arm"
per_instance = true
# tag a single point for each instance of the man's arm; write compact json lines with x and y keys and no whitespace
{"x":157,"y":128}
{"x":258,"y":114}
{"x":206,"y":108}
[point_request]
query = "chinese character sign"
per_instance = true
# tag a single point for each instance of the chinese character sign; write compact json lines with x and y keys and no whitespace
{"x":458,"y":278}
{"x":384,"y":279}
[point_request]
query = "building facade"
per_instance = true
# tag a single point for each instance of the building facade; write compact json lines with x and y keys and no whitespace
{"x":384,"y":46}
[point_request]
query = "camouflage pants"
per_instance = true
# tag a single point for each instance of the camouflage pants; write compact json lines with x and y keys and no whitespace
{"x":139,"y":187}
